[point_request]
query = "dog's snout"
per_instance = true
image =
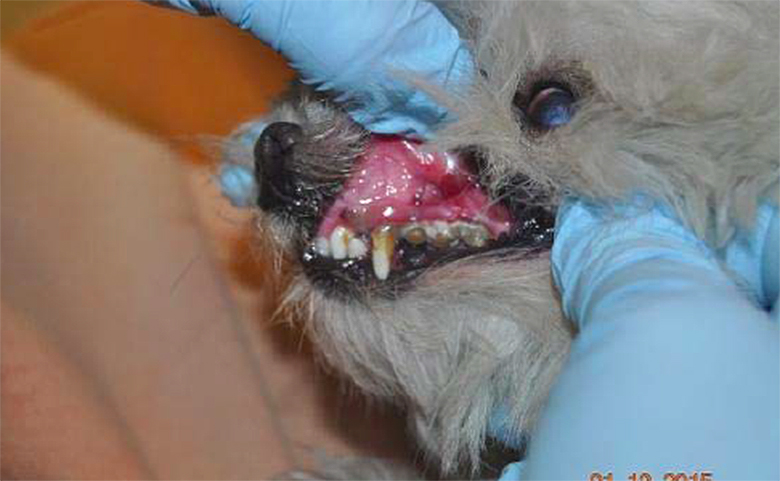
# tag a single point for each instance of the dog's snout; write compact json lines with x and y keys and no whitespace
{"x":273,"y":151}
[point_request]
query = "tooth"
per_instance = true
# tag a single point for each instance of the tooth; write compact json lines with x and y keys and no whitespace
{"x":441,"y":241}
{"x":383,"y":245}
{"x":339,"y":240}
{"x":474,"y":235}
{"x":440,"y":226}
{"x":459,"y":228}
{"x":444,"y":235}
{"x":415,"y":234}
{"x":356,"y":248}
{"x":430,"y":230}
{"x":322,"y":246}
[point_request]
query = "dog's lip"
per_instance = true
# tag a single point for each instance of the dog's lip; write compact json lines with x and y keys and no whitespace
{"x":395,"y":182}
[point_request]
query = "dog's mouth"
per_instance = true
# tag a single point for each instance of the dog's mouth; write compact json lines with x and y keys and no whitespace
{"x":403,"y":210}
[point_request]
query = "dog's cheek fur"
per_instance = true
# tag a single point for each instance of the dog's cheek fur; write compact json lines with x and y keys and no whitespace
{"x":480,"y":326}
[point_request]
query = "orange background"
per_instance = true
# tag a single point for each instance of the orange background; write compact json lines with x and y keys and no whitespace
{"x":170,"y":73}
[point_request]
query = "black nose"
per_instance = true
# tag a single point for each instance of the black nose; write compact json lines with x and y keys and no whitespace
{"x":274,"y":152}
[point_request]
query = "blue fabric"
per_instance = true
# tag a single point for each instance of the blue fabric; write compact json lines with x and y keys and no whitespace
{"x":675,"y":368}
{"x":358,"y":48}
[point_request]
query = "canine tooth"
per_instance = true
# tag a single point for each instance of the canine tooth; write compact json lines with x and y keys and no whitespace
{"x":383,"y":245}
{"x":322,"y":246}
{"x":474,"y":235}
{"x":356,"y":248}
{"x":339,"y":240}
{"x":415,"y":235}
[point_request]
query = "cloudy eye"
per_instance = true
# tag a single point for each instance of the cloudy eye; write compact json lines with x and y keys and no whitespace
{"x":551,"y":107}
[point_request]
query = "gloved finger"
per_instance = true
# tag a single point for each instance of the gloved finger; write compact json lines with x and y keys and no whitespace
{"x":753,"y":257}
{"x":512,"y":472}
{"x":681,"y":380}
{"x":357,"y":48}
{"x":594,"y":243}
{"x":669,"y":345}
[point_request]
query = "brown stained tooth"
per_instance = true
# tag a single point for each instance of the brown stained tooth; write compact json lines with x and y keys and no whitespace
{"x":442,"y":240}
{"x":430,"y":230}
{"x":445,"y":236}
{"x":382,"y":247}
{"x":474,"y":236}
{"x":339,"y":240}
{"x":462,"y":229}
{"x":416,"y":235}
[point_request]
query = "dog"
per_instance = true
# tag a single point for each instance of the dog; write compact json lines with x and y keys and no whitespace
{"x":421,"y":271}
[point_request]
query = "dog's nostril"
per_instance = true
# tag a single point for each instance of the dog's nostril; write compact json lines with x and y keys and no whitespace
{"x":278,"y":139}
{"x":272,"y":151}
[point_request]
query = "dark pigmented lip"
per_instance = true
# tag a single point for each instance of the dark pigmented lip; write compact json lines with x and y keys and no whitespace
{"x":353,"y":279}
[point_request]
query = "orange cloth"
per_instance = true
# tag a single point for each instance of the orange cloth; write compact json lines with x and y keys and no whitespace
{"x":172,"y":74}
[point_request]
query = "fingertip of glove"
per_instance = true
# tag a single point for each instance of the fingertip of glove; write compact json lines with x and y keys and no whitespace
{"x":237,"y":183}
{"x":396,"y":125}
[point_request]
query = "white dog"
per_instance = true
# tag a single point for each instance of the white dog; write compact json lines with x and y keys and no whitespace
{"x":424,"y":277}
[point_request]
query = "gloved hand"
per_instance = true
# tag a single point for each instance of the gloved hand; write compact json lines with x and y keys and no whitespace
{"x":357,"y":48}
{"x":675,"y":369}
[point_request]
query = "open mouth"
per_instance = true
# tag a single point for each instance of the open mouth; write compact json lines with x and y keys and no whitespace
{"x":403,"y":209}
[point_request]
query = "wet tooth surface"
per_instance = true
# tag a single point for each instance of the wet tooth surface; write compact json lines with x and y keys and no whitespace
{"x":430,"y":231}
{"x":474,"y":236}
{"x":458,"y":228}
{"x":339,"y":240}
{"x":441,"y":226}
{"x":415,"y":235}
{"x":383,"y":244}
{"x":444,"y":235}
{"x":356,"y":248}
{"x":442,"y":241}
{"x":322,"y":246}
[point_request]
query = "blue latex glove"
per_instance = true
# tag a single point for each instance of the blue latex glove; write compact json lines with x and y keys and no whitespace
{"x":675,"y":368}
{"x":753,"y":256}
{"x":356,"y":48}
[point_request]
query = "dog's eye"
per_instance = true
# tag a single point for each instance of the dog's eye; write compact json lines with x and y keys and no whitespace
{"x":550,"y":107}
